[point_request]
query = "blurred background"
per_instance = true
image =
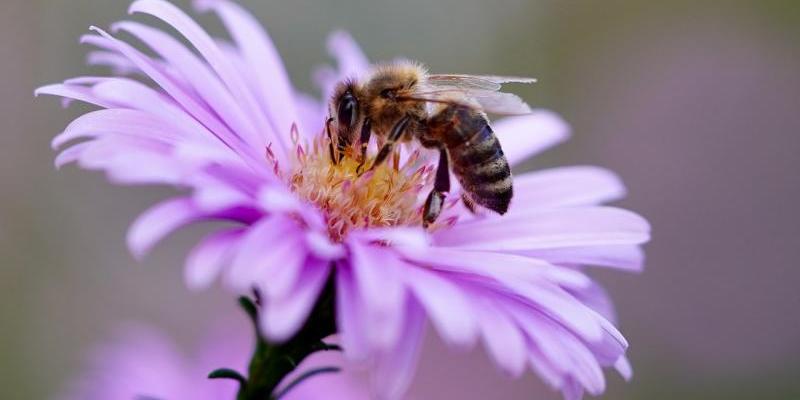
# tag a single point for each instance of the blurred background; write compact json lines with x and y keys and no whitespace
{"x":696,"y":104}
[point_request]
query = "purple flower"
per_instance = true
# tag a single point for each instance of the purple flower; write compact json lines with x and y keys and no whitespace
{"x":222,"y":122}
{"x":142,"y":363}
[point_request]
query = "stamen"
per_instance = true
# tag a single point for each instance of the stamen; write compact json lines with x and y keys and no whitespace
{"x":384,"y":196}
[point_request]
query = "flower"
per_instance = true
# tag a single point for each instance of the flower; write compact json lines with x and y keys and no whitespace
{"x":143,"y":363}
{"x":224,"y":123}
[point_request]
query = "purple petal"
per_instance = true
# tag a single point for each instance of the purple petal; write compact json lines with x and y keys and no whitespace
{"x":273,"y":87}
{"x":283,"y":317}
{"x":351,"y":62}
{"x":396,"y":369}
{"x":159,"y":221}
{"x":74,"y":92}
{"x":201,"y":78}
{"x":206,"y":46}
{"x":117,"y":122}
{"x":524,"y":136}
{"x":187,"y":101}
{"x":119,"y":65}
{"x":566,"y":186}
{"x":128,"y":93}
{"x":351,"y":59}
{"x":544,"y":367}
{"x":349,"y":316}
{"x":623,"y":367}
{"x":206,"y":260}
{"x":270,"y":244}
{"x":572,"y":389}
{"x":321,"y":245}
{"x":71,"y":154}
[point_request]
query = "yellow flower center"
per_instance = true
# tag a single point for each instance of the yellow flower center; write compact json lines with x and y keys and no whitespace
{"x":384,"y":196}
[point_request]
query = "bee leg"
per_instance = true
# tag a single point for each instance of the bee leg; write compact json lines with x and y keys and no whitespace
{"x":366,"y":132}
{"x":397,"y":132}
{"x":435,"y":201}
{"x":333,"y":153}
{"x":468,"y":203}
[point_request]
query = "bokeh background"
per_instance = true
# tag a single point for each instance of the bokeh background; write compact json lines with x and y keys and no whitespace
{"x":696,"y":104}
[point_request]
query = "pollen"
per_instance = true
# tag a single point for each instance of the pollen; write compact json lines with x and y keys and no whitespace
{"x":352,"y":198}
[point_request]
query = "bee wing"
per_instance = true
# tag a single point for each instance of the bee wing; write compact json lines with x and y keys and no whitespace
{"x":491,"y":101}
{"x":502,"y":103}
{"x":474,"y":82}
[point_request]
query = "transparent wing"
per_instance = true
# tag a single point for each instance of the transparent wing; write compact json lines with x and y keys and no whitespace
{"x":474,"y":82}
{"x":490,"y":101}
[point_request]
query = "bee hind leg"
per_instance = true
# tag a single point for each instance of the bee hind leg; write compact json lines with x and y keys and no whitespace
{"x":469,"y":203}
{"x":435,"y":201}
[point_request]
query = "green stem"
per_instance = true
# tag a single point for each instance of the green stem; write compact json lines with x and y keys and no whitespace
{"x":271,"y":363}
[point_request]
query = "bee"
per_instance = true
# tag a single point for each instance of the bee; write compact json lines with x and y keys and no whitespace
{"x":401,"y":102}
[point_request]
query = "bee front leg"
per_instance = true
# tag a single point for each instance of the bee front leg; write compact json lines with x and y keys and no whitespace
{"x":334,"y":154}
{"x":395,"y":135}
{"x":366,"y":132}
{"x":435,"y":201}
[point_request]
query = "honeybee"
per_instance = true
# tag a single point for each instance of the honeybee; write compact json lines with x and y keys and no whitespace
{"x":401,"y":102}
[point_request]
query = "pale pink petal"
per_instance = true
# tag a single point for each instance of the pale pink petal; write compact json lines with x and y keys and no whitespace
{"x":564,"y":227}
{"x":624,"y":257}
{"x":558,"y":305}
{"x":492,"y":265}
{"x":566,"y":186}
{"x":446,"y":305}
{"x":502,"y":337}
{"x":379,"y":282}
{"x":524,"y":136}
{"x":564,"y":350}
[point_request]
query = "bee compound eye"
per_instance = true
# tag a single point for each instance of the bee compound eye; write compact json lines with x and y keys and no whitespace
{"x":347,"y":113}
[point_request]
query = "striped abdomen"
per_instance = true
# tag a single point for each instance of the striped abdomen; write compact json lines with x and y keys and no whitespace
{"x":478,"y":160}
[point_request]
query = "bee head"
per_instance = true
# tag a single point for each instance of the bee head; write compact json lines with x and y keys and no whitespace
{"x":346,"y":109}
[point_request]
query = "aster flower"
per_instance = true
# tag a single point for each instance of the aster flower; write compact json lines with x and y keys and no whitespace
{"x":143,"y":363}
{"x":221,"y":121}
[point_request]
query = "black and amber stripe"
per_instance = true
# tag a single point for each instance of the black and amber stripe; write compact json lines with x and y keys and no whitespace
{"x":479,"y":163}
